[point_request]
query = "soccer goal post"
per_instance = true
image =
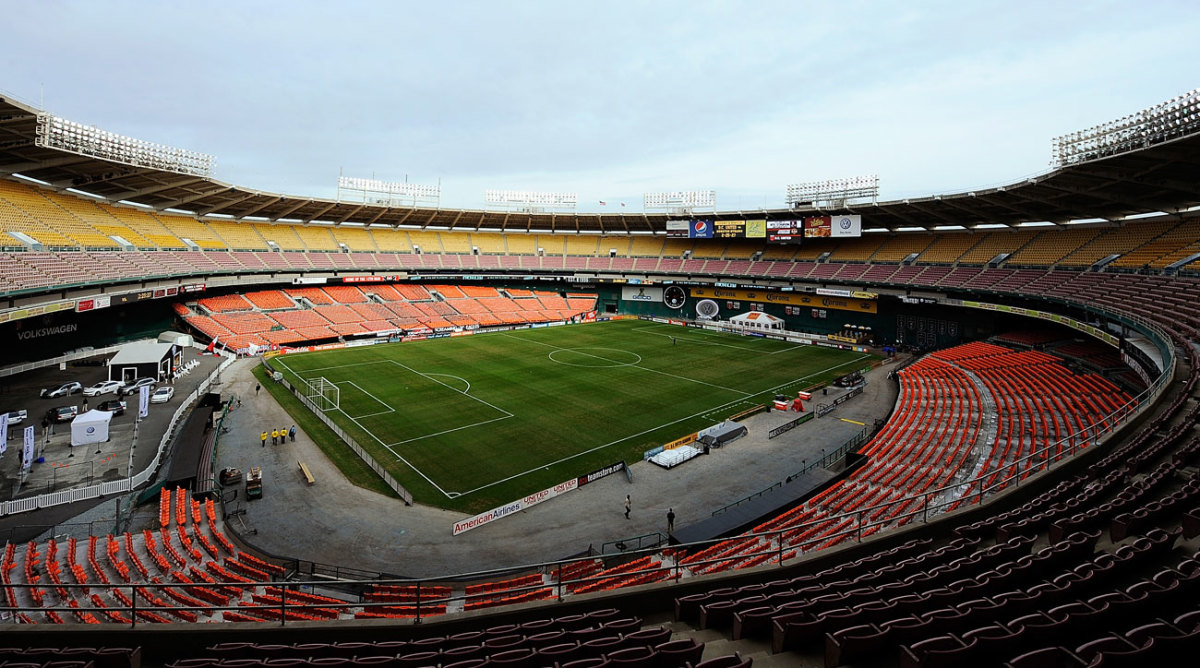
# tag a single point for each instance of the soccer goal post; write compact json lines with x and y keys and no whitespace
{"x":324,"y":394}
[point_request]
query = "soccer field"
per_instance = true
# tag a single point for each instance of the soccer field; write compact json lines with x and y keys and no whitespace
{"x":470,"y":422}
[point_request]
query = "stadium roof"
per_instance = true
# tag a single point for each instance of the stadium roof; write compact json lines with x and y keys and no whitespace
{"x":1158,"y":178}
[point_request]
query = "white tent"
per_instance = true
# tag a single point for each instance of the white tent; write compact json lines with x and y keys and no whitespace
{"x":757,"y":320}
{"x":91,"y":427}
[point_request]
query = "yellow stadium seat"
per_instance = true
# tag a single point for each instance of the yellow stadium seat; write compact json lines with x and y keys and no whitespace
{"x":238,"y":235}
{"x":391,"y":240}
{"x":355,"y":238}
{"x":316,"y":237}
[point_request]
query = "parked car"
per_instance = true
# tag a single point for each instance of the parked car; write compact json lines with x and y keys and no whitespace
{"x":162,"y":395}
{"x":134,"y":386}
{"x":103,"y":387}
{"x":114,"y":406}
{"x":61,"y":390}
{"x":62,"y":413}
{"x":16,"y":417}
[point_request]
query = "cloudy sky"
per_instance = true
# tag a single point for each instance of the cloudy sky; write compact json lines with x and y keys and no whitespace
{"x":606,"y":99}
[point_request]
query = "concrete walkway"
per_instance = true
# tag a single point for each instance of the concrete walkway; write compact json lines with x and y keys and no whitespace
{"x":335,"y":523}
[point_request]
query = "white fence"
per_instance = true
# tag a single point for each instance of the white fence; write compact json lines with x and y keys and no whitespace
{"x":113,"y":486}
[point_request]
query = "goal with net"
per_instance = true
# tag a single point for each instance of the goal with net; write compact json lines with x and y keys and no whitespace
{"x":324,"y":394}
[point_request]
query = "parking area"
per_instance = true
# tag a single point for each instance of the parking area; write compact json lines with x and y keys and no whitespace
{"x":57,"y":464}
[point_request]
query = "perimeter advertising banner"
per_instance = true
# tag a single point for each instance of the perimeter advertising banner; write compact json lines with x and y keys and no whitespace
{"x":701,"y":229}
{"x":678,"y":228}
{"x":601,"y":473}
{"x":510,"y":508}
{"x":790,"y":298}
{"x":846,"y":226}
{"x":639,"y":293}
{"x":143,"y":401}
{"x":729,"y":229}
{"x":756,"y":229}
{"x":782,"y":231}
{"x":27,"y":451}
{"x":817,"y":227}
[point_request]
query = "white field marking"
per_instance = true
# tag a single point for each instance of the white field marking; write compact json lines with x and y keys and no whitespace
{"x":652,"y":329}
{"x":379,"y":401}
{"x":452,"y":389}
{"x":635,"y":366}
{"x":614,"y":365}
{"x":449,"y":495}
{"x":447,"y":431}
{"x":661,"y":426}
{"x":339,"y":366}
{"x":418,"y":471}
{"x":446,"y":375}
{"x":371,"y":415}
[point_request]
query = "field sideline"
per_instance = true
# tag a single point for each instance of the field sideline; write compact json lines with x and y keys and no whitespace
{"x":468,"y":423}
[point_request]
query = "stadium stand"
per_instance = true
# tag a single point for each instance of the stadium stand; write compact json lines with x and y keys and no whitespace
{"x":354,"y":238}
{"x":1145,"y":245}
{"x":857,"y":250}
{"x":1092,"y":565}
{"x":995,"y":243}
{"x":948,"y":248}
{"x":238,"y":236}
{"x":316,"y":237}
{"x":581,"y":245}
{"x":23,"y":210}
{"x":194,"y":230}
{"x":520,"y":244}
{"x":635,"y":247}
{"x":392,"y":240}
{"x":146,"y":230}
{"x":1050,"y":247}
{"x":899,"y":247}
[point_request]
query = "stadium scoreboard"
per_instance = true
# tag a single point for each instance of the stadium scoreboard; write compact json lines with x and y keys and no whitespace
{"x":772,"y":231}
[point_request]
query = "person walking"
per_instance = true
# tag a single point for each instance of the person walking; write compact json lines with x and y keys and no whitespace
{"x":628,"y":506}
{"x":264,"y":439}
{"x":282,"y":436}
{"x":292,"y":433}
{"x":257,"y":387}
{"x":85,"y":405}
{"x":274,"y":437}
{"x":670,"y":520}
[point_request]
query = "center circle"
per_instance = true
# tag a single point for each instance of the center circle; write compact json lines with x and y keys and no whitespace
{"x":595,"y":357}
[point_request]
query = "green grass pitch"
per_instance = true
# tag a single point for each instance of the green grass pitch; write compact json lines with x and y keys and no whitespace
{"x":471,"y":422}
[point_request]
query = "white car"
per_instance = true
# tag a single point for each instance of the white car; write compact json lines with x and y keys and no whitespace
{"x":15,"y":417}
{"x":103,"y":387}
{"x":162,"y":395}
